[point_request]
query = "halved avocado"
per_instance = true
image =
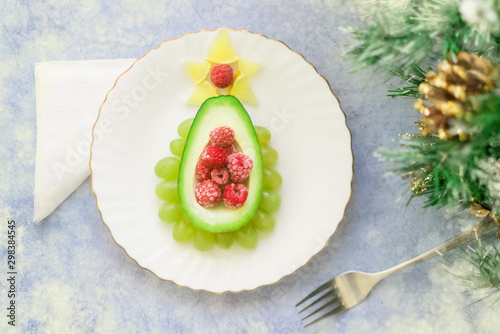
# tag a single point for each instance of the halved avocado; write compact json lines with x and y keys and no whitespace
{"x":224,"y":110}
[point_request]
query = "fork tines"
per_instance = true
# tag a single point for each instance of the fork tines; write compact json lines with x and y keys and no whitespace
{"x":331,"y":298}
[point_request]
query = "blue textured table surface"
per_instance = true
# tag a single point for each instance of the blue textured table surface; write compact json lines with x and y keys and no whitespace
{"x":74,"y":279}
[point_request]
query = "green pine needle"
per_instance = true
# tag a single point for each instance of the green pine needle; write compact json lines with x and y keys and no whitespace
{"x":401,"y":38}
{"x":413,"y":80}
{"x":402,"y":35}
{"x":448,"y":172}
{"x":477,"y":268}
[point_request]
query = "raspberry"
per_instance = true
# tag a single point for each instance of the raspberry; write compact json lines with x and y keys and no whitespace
{"x":202,"y":171}
{"x":222,"y":76}
{"x":213,"y":157}
{"x":222,"y":136}
{"x":208,"y":194}
{"x":230,"y":150}
{"x":220,"y":175}
{"x":239,"y":166}
{"x":235,"y":195}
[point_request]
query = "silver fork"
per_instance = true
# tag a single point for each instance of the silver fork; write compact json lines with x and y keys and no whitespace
{"x":352,"y":287}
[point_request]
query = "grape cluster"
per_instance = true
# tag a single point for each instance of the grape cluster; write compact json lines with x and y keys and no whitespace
{"x":184,"y":231}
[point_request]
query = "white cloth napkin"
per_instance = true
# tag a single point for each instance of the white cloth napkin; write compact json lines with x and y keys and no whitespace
{"x":68,"y":97}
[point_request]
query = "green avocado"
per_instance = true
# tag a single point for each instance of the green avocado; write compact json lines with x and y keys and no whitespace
{"x":224,"y":110}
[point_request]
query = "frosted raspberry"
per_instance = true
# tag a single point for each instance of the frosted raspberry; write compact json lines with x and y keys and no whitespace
{"x":235,"y":195}
{"x":222,"y":136}
{"x":222,"y":76}
{"x":220,"y":175}
{"x":213,"y":156}
{"x":202,"y":171}
{"x":239,"y":166}
{"x":208,"y":193}
{"x":229,"y":150}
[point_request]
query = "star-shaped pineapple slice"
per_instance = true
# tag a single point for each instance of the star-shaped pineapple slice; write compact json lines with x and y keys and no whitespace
{"x":203,"y":91}
{"x":241,"y":89}
{"x":247,"y":67}
{"x":198,"y":70}
{"x":221,"y":52}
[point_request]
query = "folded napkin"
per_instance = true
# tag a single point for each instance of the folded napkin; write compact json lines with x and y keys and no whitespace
{"x":68,"y":97}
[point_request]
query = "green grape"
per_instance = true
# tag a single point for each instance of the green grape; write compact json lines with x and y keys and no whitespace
{"x":167,"y":168}
{"x":263,"y":134}
{"x":263,"y":221}
{"x":177,"y":146}
{"x":167,"y":191}
{"x":269,"y":155}
{"x":184,"y":127}
{"x":246,"y":236}
{"x":224,"y":239}
{"x":203,"y":240}
{"x":271,"y":179}
{"x":270,"y":201}
{"x":170,"y":212}
{"x":183,"y":231}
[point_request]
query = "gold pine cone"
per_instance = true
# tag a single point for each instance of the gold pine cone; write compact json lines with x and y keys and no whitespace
{"x":447,"y":91}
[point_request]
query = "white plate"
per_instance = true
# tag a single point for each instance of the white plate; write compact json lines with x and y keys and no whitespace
{"x":139,"y":118}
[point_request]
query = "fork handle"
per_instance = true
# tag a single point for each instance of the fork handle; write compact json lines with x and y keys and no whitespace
{"x":486,"y":225}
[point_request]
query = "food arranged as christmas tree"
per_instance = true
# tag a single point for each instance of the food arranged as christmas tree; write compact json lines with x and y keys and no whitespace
{"x":223,"y":188}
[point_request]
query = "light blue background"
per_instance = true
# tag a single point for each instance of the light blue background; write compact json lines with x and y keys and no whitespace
{"x":75,"y":279}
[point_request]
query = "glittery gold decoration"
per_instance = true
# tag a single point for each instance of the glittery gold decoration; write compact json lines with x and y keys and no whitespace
{"x":477,"y":210}
{"x":420,"y":180}
{"x":447,"y":91}
{"x":413,"y":135}
{"x":420,"y":125}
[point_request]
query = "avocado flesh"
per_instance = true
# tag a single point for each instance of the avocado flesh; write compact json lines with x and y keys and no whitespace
{"x":223,"y":110}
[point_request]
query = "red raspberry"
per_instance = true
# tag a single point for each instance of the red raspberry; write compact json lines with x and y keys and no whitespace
{"x":222,"y":136}
{"x":222,"y":76}
{"x":239,"y":166}
{"x":220,"y":175}
{"x":235,"y":195}
{"x":213,"y":157}
{"x":230,"y":150}
{"x":208,"y":194}
{"x":202,"y":171}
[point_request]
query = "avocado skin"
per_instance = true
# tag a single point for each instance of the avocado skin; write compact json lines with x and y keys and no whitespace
{"x":215,"y":112}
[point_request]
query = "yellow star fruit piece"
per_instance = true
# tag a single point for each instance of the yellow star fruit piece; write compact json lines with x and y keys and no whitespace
{"x":203,"y":91}
{"x":221,"y":50}
{"x":241,"y":90}
{"x":247,"y":67}
{"x":198,"y":70}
